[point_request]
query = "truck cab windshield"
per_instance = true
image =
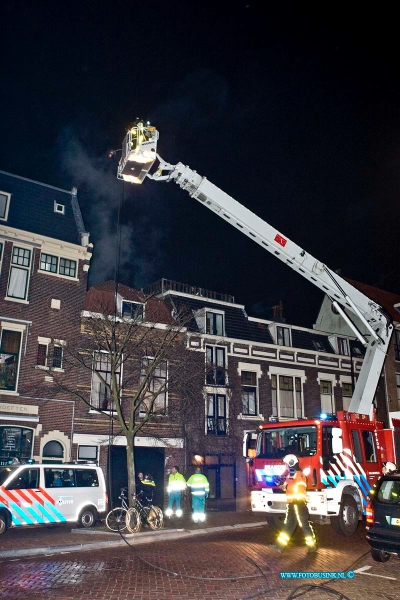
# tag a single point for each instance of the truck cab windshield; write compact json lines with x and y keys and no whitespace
{"x":276,"y":443}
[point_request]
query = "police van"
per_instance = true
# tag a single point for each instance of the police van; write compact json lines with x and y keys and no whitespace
{"x":45,"y":494}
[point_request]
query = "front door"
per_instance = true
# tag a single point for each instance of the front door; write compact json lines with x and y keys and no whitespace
{"x":222,"y":479}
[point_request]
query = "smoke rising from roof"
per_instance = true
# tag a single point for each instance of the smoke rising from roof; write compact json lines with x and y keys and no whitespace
{"x":102,"y":197}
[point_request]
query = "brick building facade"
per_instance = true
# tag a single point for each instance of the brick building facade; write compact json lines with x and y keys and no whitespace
{"x":45,"y":256}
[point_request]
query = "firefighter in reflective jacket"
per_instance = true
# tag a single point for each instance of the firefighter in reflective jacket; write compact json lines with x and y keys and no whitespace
{"x":176,"y":485}
{"x":200,"y":488}
{"x":296,"y":507}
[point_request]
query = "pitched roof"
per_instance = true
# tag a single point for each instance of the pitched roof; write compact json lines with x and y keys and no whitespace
{"x":103,"y":295}
{"x":386,"y":299}
{"x":32,"y":209}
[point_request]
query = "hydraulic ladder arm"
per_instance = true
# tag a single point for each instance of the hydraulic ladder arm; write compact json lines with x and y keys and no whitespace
{"x":345,"y":298}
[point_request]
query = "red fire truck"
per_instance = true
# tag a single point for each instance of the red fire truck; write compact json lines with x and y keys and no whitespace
{"x":342,"y":454}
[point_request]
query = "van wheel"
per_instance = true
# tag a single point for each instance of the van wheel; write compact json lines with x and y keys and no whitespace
{"x":275,"y":522}
{"x":3,"y":524}
{"x":87,"y":518}
{"x":380,"y":555}
{"x":346,"y":523}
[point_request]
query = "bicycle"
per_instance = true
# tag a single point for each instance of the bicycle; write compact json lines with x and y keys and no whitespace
{"x":116,"y":518}
{"x":152,"y":515}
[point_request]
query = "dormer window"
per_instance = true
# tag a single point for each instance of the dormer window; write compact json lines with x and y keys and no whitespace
{"x":214,"y":323}
{"x":4,"y":205}
{"x":318,"y":345}
{"x":283,"y":336}
{"x":132,"y":310}
{"x":343,"y":346}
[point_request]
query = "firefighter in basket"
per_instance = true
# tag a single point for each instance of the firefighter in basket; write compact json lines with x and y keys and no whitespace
{"x":297,"y":514}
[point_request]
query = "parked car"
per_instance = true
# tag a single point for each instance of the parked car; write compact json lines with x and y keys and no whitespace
{"x":383,"y":517}
{"x":47,"y":494}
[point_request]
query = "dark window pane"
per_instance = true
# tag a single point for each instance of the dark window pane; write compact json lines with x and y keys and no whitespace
{"x":41,"y":355}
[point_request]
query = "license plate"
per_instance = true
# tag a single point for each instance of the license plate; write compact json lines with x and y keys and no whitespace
{"x":395,"y":521}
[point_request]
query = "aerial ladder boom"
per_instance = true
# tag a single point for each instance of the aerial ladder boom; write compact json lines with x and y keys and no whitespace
{"x":345,"y":297}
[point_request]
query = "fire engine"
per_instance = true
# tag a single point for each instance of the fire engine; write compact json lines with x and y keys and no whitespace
{"x":341,"y":454}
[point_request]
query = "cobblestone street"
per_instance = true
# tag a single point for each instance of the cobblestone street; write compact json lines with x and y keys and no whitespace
{"x":234,"y":565}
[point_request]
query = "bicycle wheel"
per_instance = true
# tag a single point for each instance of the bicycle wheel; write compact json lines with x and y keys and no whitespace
{"x":133,"y":521}
{"x":116,"y":519}
{"x":155,"y":518}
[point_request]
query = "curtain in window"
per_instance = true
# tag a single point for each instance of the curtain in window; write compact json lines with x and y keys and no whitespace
{"x":17,"y":283}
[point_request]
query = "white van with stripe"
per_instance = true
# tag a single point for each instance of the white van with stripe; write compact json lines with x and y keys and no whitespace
{"x":45,"y":494}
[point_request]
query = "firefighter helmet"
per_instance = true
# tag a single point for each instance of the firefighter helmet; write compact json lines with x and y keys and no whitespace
{"x":290,"y":460}
{"x":389,"y":467}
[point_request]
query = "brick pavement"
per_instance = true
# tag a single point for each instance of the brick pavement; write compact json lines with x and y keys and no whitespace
{"x":214,"y":567}
{"x":48,"y":539}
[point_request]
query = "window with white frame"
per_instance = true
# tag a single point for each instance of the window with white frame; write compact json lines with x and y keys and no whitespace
{"x":156,"y":389}
{"x":58,"y":355}
{"x":10,"y":352}
{"x":101,"y":394}
{"x":214,"y":323}
{"x":4,"y":205}
{"x":287,"y":401}
{"x":215,"y":365}
{"x":347,"y":393}
{"x":343,"y":346}
{"x":327,"y":399}
{"x":216,"y":414}
{"x":57,"y":265}
{"x":18,"y":279}
{"x":249,"y":393}
{"x":59,"y":208}
{"x":132,"y":310}
{"x":47,"y":357}
{"x":1,"y":252}
{"x":88,"y":452}
{"x":283,"y":336}
{"x":398,"y":385}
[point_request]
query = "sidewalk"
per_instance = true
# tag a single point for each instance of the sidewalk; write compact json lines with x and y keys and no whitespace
{"x":19,"y":542}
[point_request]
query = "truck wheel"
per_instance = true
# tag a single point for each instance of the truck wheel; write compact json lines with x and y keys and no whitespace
{"x":3,"y":524}
{"x":275,"y":522}
{"x":346,"y":523}
{"x":87,"y":518}
{"x":380,"y":555}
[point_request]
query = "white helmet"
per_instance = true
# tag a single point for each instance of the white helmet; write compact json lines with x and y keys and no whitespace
{"x":290,"y":460}
{"x":389,"y":466}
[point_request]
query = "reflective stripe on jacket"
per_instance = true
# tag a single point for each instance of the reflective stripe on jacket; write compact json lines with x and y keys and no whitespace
{"x":176,"y":482}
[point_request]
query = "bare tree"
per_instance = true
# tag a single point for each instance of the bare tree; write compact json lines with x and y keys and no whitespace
{"x":127,"y":367}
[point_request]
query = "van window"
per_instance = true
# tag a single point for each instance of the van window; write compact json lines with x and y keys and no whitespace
{"x":86,"y":478}
{"x":59,"y":478}
{"x":26,"y":479}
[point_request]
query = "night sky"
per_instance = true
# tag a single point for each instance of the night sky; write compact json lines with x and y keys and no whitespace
{"x":294,"y":110}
